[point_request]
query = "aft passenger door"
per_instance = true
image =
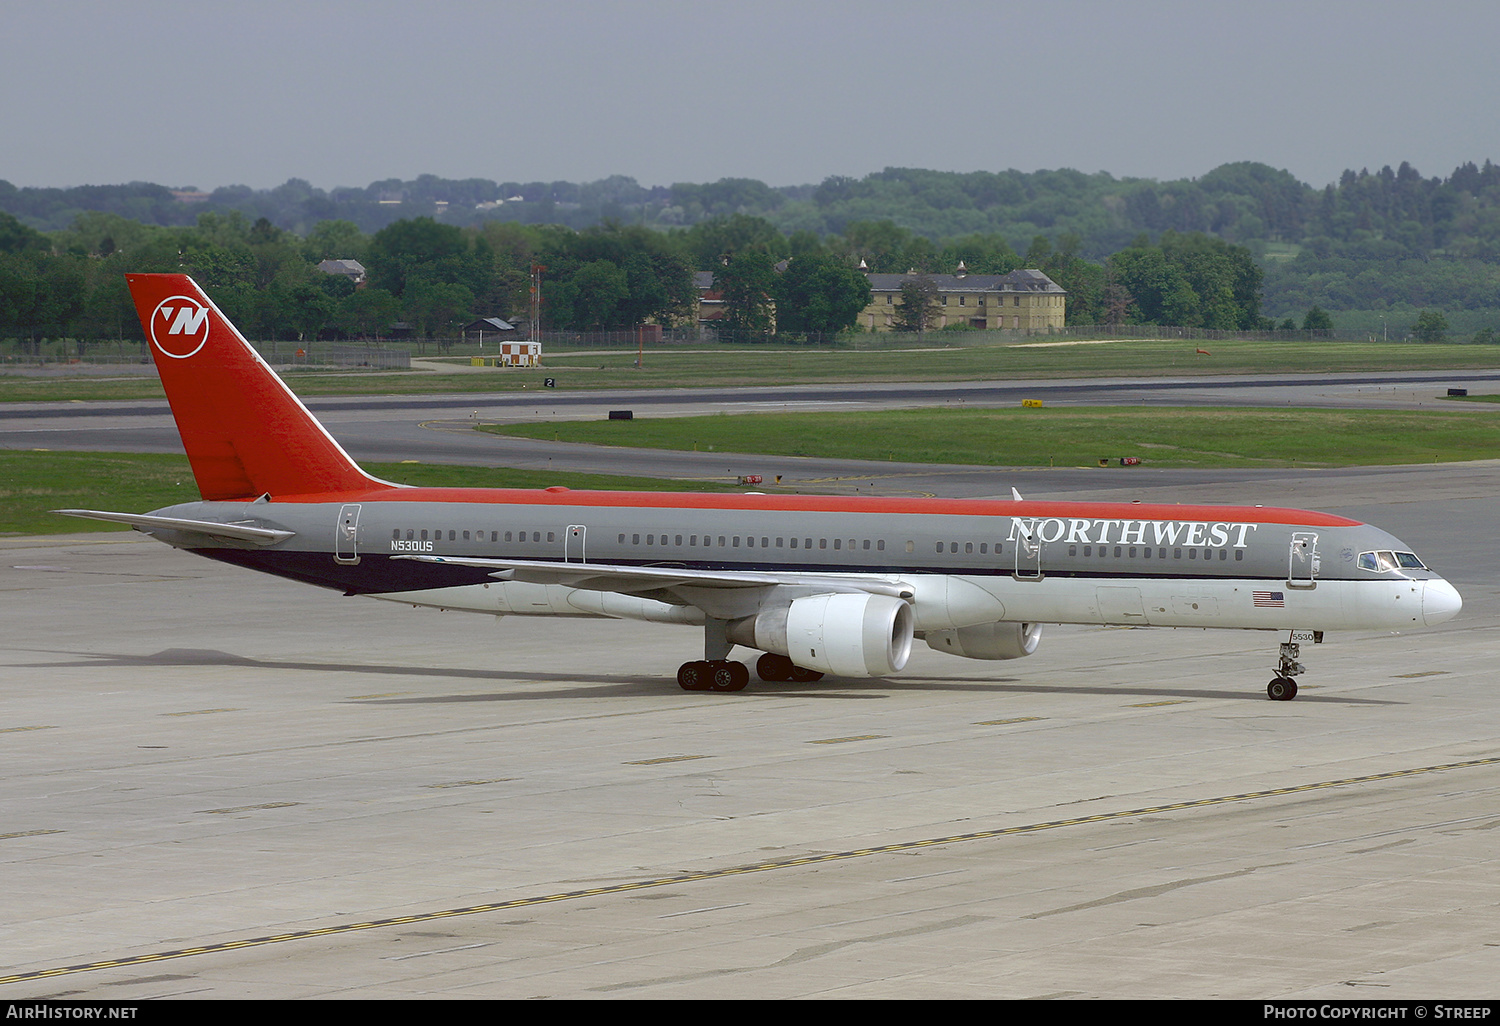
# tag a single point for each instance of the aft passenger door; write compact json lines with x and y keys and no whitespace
{"x":346,"y":535}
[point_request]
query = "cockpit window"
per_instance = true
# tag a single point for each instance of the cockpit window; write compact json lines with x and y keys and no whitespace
{"x":1382,"y":562}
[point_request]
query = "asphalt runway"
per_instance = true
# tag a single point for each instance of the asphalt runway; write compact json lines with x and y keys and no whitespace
{"x":225,"y":785}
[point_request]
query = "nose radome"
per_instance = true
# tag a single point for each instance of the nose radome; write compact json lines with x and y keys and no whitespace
{"x":1440,"y":601}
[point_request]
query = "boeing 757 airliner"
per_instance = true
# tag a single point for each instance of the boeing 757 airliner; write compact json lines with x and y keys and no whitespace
{"x":819,"y":584}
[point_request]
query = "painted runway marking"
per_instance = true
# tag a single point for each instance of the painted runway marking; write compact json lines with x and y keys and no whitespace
{"x":247,"y":808}
{"x":730,"y":871}
{"x":666,"y":758}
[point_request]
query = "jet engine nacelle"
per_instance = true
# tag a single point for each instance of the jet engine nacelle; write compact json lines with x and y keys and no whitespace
{"x":1001,"y":640}
{"x":849,"y":635}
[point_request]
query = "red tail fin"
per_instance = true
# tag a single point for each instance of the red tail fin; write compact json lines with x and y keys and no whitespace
{"x":245,"y":433}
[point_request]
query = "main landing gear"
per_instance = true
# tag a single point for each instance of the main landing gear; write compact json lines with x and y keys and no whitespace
{"x":779,"y":668}
{"x":713,"y":675}
{"x":727,"y":675}
{"x":717,"y":672}
{"x":1283,"y":688}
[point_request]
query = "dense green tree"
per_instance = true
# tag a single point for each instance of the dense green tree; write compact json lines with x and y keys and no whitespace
{"x":40,"y":295}
{"x":884,"y":246}
{"x":594,"y":293}
{"x":1317,"y":320}
{"x":335,"y":240}
{"x":819,"y":294}
{"x":1191,"y":281}
{"x":710,"y":242}
{"x":424,"y":250}
{"x":920,"y":306}
{"x":980,"y":254}
{"x":746,"y":281}
{"x":639,"y":278}
{"x":16,"y":237}
{"x":436,"y":308}
{"x":368,"y":313}
{"x":1430,"y":326}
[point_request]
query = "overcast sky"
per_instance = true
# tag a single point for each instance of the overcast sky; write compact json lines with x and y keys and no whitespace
{"x":341,"y":92}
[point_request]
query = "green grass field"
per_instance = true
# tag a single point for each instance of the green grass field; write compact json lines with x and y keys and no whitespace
{"x":1165,"y":437}
{"x":34,"y":483}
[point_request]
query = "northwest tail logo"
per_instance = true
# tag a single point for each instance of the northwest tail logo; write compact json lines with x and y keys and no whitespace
{"x":179,"y":326}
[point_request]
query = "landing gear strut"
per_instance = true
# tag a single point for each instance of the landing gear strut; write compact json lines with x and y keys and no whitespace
{"x":1283,"y":688}
{"x":715,"y":671}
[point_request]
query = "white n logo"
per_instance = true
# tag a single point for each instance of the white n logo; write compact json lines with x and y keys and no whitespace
{"x":189,"y":319}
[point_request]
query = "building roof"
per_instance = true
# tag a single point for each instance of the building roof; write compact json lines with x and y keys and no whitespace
{"x":1015,"y":281}
{"x":353,"y":268}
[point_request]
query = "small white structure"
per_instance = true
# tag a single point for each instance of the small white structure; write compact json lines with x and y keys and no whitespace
{"x":519,"y":354}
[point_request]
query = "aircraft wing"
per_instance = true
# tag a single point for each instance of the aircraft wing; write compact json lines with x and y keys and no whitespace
{"x":636,"y":579}
{"x":145,"y":522}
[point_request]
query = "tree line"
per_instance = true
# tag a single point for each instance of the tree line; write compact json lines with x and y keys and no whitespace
{"x":435,"y":277}
{"x":1391,"y":240}
{"x":432,"y":277}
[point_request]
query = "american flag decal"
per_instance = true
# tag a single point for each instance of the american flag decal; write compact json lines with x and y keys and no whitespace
{"x":1269,"y":599}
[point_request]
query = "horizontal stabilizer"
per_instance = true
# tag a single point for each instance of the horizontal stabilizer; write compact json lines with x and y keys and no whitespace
{"x":145,"y":522}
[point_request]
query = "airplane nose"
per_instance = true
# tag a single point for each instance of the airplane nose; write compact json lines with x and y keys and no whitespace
{"x":1440,"y":601}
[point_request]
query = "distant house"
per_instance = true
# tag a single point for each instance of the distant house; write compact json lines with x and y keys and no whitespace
{"x":351,"y":269}
{"x":711,"y":305}
{"x":490,"y":329}
{"x":1018,"y":301}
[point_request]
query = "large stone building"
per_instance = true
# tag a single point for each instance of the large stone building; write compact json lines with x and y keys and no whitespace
{"x":1018,"y":301}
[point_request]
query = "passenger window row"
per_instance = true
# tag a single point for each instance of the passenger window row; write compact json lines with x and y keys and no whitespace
{"x":751,"y":541}
{"x":1147,"y":552}
{"x":1377,"y":562}
{"x":455,"y":535}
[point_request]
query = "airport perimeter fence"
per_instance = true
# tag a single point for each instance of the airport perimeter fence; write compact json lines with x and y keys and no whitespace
{"x":968,"y":337}
{"x":131,"y":356}
{"x":127,"y":354}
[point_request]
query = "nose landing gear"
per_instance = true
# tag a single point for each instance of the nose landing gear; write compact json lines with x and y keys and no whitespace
{"x":1283,"y":688}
